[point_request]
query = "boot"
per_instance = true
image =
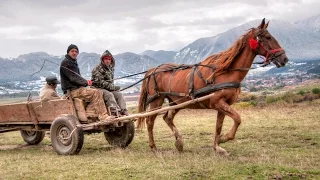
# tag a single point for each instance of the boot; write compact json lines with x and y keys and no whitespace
{"x":124,"y":112}
{"x":91,"y":113}
{"x":107,"y":118}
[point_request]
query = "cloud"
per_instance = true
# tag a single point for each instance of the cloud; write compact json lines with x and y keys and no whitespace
{"x":132,"y":26}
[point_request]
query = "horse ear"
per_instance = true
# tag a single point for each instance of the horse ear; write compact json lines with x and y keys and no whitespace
{"x":266,"y":25}
{"x":262,"y":24}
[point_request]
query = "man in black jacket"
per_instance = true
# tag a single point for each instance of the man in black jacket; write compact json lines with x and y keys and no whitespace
{"x":72,"y":80}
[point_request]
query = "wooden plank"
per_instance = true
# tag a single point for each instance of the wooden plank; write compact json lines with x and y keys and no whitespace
{"x":162,"y":110}
{"x":24,"y":123}
{"x":145,"y":114}
{"x":32,"y":114}
{"x":17,"y":112}
{"x":44,"y":111}
{"x":49,"y":110}
{"x":81,"y":112}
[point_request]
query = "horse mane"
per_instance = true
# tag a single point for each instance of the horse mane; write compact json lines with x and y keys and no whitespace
{"x":224,"y":59}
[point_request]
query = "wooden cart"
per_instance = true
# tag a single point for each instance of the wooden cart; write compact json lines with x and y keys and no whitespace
{"x":67,"y":122}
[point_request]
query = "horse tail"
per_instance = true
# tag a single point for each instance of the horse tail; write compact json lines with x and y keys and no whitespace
{"x":142,"y":107}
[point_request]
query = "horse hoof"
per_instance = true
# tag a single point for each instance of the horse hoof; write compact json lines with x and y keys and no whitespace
{"x":222,"y":139}
{"x":154,"y":150}
{"x":221,"y":152}
{"x":179,"y":145}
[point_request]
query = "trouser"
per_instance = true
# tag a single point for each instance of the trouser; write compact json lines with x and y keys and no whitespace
{"x":114,"y":98}
{"x":95,"y":99}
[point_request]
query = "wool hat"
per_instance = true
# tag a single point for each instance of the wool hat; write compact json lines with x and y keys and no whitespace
{"x":72,"y":46}
{"x":52,"y":80}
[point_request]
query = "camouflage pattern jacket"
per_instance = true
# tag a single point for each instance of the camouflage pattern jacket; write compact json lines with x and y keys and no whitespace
{"x":102,"y":76}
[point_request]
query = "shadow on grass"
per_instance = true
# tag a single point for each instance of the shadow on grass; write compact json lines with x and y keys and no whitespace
{"x":25,"y":147}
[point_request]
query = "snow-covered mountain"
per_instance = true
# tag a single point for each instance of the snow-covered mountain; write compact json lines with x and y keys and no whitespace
{"x":311,"y":24}
{"x":130,"y":63}
{"x":25,"y":67}
{"x":35,"y":65}
{"x":162,"y":56}
{"x":301,"y":40}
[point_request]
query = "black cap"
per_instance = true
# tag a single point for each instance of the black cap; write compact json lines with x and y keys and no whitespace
{"x":72,"y":46}
{"x":52,"y":80}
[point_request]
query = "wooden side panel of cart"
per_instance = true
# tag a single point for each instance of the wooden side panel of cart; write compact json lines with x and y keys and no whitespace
{"x":37,"y":112}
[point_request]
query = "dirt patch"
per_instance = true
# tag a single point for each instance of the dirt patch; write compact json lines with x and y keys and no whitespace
{"x":279,"y":176}
{"x":10,"y":147}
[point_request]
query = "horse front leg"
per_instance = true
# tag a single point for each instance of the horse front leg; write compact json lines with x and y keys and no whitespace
{"x":168,"y":118}
{"x":219,"y":123}
{"x":224,"y":109}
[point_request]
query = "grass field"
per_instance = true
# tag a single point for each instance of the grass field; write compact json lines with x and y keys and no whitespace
{"x":279,"y":141}
{"x":12,"y":100}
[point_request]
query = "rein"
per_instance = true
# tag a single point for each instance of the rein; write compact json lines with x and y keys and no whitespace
{"x":187,"y":66}
{"x":172,"y":68}
{"x":271,"y":54}
{"x":182,"y":67}
{"x":247,"y":69}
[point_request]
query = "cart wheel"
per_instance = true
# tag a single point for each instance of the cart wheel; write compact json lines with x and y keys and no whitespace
{"x":121,"y":136}
{"x":66,"y":138}
{"x":32,"y":137}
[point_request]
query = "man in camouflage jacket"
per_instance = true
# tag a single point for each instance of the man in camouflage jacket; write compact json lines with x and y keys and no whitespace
{"x":102,"y":77}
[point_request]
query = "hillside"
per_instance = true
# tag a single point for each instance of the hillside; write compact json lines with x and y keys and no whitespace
{"x":301,"y":41}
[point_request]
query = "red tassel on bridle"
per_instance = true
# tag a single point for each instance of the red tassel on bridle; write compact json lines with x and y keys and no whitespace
{"x":253,"y":44}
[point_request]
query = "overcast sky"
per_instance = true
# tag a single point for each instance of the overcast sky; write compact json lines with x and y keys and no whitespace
{"x":130,"y":25}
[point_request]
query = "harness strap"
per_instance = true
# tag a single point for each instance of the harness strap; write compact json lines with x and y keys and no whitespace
{"x":156,"y":89}
{"x":155,"y":96}
{"x":201,"y":77}
{"x":200,"y":92}
{"x":152,"y":98}
{"x":174,"y":68}
{"x":191,"y":84}
{"x":154,"y":72}
{"x":171,"y":68}
{"x":215,"y":87}
{"x":171,"y":79}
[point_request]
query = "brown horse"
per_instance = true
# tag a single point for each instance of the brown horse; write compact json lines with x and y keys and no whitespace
{"x":219,"y":73}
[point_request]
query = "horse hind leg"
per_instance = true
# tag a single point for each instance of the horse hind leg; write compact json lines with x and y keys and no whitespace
{"x":156,"y":104}
{"x":168,"y":118}
{"x":150,"y":125}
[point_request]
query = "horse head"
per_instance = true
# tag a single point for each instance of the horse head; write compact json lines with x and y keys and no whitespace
{"x":263,"y":43}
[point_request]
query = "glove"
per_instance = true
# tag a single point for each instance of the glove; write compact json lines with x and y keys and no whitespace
{"x":116,"y":88}
{"x":89,"y":82}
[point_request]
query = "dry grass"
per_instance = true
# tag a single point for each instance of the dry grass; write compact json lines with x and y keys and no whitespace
{"x":13,"y":100}
{"x":278,"y":141}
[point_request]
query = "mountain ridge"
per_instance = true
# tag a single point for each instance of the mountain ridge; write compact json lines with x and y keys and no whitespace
{"x":300,"y":40}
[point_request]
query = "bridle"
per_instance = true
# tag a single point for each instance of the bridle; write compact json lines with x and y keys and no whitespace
{"x":271,"y":53}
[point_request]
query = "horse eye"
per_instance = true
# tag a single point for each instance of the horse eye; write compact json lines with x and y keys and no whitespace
{"x":268,"y":37}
